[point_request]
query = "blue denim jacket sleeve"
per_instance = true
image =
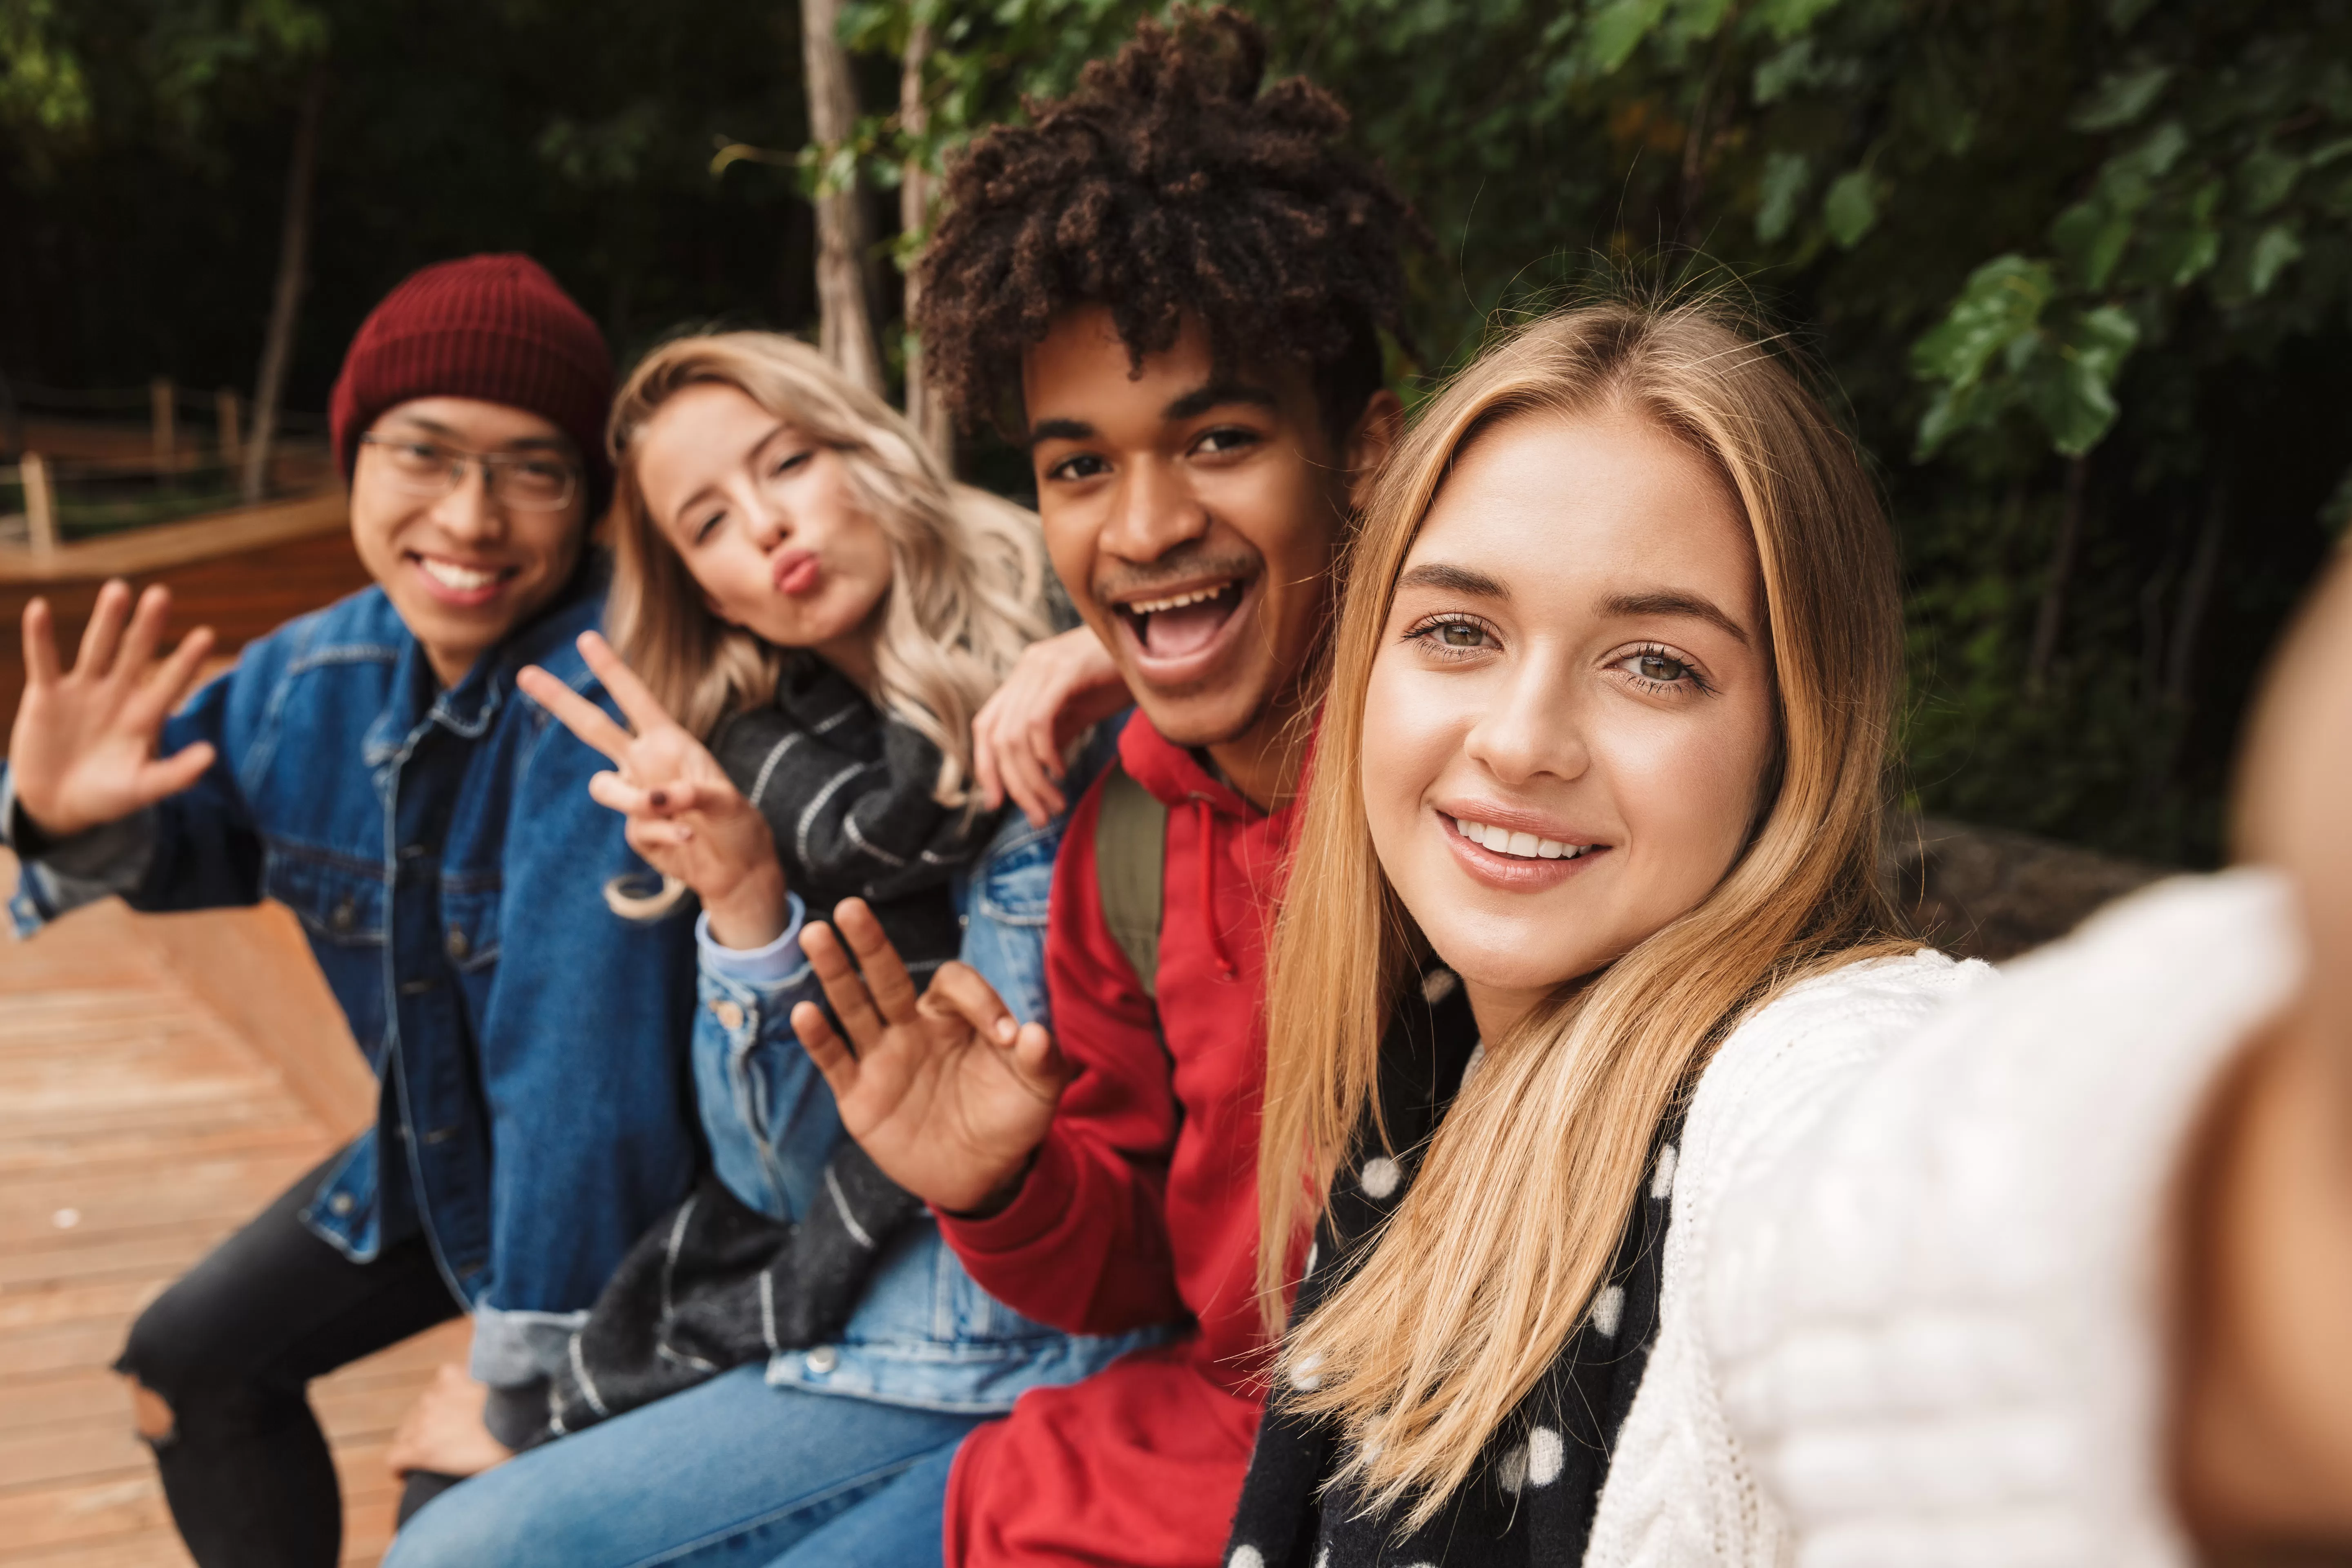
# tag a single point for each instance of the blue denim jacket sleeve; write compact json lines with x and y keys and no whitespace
{"x":60,"y":876}
{"x":769,"y":1120}
{"x":925,"y":1333}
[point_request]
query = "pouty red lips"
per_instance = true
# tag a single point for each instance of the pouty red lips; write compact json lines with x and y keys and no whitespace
{"x":797,"y":572}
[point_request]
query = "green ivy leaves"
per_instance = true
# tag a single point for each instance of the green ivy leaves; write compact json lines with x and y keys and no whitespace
{"x":2008,"y":343}
{"x":1851,"y":209}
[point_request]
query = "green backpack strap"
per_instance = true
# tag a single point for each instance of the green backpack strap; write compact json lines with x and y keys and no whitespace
{"x":1130,"y":866}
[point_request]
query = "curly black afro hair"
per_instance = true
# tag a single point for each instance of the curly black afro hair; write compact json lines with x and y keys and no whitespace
{"x":1166,"y":186}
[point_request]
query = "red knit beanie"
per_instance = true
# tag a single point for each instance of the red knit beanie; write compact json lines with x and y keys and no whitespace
{"x":496,"y":328}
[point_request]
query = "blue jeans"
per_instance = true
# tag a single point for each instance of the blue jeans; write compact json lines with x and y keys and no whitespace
{"x":730,"y":1471}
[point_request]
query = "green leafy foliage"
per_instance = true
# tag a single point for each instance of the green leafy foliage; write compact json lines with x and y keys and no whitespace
{"x":1850,"y":210}
{"x":1998,"y":349}
{"x":42,"y":89}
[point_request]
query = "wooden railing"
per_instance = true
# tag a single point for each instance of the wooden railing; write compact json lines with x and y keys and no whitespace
{"x":32,"y":476}
{"x":90,"y":461}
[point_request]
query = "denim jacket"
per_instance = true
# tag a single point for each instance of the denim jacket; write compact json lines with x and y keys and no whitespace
{"x":924,"y":1334}
{"x":448,"y":866}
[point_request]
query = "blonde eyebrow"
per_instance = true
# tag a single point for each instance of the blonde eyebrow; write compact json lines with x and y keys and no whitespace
{"x":1671,"y":602}
{"x":1452,"y":579}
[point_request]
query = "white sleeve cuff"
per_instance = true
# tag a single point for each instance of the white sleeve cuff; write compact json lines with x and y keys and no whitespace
{"x":769,"y":965}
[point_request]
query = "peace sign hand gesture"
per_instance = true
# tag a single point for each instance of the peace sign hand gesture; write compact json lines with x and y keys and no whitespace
{"x":685,"y":817}
{"x":948,"y":1094}
{"x":82,"y":752}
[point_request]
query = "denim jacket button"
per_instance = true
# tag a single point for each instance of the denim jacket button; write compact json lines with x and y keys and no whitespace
{"x":457,"y":944}
{"x":729,"y":1015}
{"x":823,"y":1359}
{"x":346,"y":916}
{"x":341,"y":1202}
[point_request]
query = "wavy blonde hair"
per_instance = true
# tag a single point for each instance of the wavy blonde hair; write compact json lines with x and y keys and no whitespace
{"x":967,"y":569}
{"x":1475,"y":1284}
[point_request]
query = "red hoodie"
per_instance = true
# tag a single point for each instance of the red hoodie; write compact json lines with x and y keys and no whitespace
{"x":1141,"y":1207}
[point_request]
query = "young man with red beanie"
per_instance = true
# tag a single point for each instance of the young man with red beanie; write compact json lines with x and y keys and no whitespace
{"x":1171,"y":285}
{"x":373,"y":767}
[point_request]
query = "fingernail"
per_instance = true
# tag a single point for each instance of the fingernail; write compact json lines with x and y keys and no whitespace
{"x":1005,"y":1030}
{"x":661,"y":797}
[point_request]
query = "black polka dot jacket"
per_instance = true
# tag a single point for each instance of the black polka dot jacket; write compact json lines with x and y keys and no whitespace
{"x":1531,"y":1499}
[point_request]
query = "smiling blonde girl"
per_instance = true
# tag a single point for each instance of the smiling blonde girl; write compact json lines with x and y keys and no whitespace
{"x":1664,"y":1208}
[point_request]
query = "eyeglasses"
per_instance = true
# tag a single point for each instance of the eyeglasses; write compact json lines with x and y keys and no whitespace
{"x":526,"y":481}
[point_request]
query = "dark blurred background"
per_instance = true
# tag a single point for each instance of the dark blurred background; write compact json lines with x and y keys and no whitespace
{"x":2081,"y":268}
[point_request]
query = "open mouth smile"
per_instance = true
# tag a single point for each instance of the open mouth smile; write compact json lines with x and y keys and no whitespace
{"x":459,"y":581}
{"x":1520,"y":846}
{"x":1176,"y":635}
{"x":1515,"y":859}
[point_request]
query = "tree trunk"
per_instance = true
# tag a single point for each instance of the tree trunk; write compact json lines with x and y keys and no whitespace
{"x":2052,"y":615}
{"x":844,"y":321}
{"x":2196,"y":598}
{"x":293,"y":265}
{"x":925,"y":408}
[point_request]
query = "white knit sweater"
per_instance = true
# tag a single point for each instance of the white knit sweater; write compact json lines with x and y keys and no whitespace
{"x":1910,"y":1310}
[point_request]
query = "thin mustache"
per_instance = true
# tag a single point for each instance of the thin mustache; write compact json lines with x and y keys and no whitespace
{"x":1158,"y":576}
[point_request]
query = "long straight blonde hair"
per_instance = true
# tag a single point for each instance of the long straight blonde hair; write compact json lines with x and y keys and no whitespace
{"x":1476,"y":1282}
{"x":967,"y":569}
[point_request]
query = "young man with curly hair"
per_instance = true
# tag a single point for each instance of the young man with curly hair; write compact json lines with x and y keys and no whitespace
{"x":1170,"y":287}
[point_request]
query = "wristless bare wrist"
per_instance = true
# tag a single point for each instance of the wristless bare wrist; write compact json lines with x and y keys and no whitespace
{"x":752,"y":913}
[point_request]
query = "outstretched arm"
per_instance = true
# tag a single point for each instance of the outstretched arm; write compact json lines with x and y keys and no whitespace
{"x":2096,"y":1207}
{"x":2264,"y":1441}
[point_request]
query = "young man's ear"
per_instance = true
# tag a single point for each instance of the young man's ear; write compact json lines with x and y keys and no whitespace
{"x":1375,"y":435}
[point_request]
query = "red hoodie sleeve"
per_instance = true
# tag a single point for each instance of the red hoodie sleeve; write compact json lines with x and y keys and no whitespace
{"x":1084,"y":1246}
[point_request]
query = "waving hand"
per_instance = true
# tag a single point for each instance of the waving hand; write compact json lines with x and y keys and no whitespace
{"x":948,"y":1094}
{"x":83,"y":750}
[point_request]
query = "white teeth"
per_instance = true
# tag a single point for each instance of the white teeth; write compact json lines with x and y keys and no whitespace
{"x":449,"y":575}
{"x":1522,"y":846}
{"x":1175,"y":601}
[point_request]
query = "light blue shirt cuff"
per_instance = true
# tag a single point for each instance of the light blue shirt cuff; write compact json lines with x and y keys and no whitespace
{"x":769,"y":965}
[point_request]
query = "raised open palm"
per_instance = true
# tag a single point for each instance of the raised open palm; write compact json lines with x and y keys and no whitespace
{"x":83,"y":748}
{"x":948,"y":1093}
{"x":684,"y":815}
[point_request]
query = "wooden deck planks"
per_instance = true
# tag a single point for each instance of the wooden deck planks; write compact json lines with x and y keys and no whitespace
{"x":137,"y":1129}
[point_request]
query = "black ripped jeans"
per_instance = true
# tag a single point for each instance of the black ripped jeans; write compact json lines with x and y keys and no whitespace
{"x":230,"y":1349}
